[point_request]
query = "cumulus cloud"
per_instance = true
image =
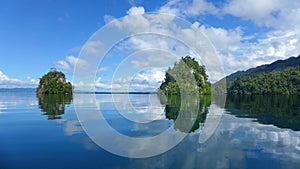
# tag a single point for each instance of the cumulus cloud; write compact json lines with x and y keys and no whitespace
{"x":5,"y":79}
{"x":74,"y":61}
{"x":134,"y":2}
{"x":189,"y":8}
{"x":93,"y":47}
{"x":166,"y":34}
{"x":276,"y":45}
{"x":136,"y":11}
{"x":221,"y":38}
{"x":146,"y":80}
{"x":271,"y":13}
{"x":198,"y":7}
{"x":240,"y":52}
{"x":237,"y":50}
{"x":99,"y":83}
{"x":62,"y":65}
{"x":259,"y":11}
{"x":7,"y":82}
{"x":71,"y":62}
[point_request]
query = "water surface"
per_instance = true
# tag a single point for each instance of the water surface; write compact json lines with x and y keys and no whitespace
{"x":254,"y":132}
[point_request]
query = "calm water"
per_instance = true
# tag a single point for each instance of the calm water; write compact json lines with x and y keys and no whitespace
{"x":254,"y":132}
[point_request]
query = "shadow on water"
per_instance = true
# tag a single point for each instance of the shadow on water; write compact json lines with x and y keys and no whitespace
{"x":278,"y":110}
{"x":54,"y":104}
{"x":191,"y":111}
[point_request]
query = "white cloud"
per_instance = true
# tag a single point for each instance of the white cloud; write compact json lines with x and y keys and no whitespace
{"x":146,"y":80}
{"x":33,"y":80}
{"x":62,"y":65}
{"x":92,"y":47}
{"x":83,"y":86}
{"x":155,"y":52}
{"x":192,"y":8}
{"x":133,"y":22}
{"x":272,"y":13}
{"x":238,"y":54}
{"x":171,"y":8}
{"x":136,"y":11}
{"x":201,"y":7}
{"x":237,"y":51}
{"x":71,"y":62}
{"x":103,"y":85}
{"x":257,"y":11}
{"x":108,"y":18}
{"x":117,"y":84}
{"x":75,"y":49}
{"x":170,"y":38}
{"x":103,"y":69}
{"x":79,"y":63}
{"x":222,"y":39}
{"x":134,"y":2}
{"x":7,"y":82}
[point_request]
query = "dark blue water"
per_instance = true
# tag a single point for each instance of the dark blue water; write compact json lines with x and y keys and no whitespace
{"x":45,"y":133}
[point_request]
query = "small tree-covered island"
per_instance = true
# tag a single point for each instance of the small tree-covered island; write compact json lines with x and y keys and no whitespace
{"x":186,"y":77}
{"x":54,"y":82}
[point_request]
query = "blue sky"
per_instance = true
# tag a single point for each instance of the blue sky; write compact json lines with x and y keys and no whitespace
{"x":37,"y":35}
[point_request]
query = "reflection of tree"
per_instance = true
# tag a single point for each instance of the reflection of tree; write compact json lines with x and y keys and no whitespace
{"x":188,"y":113}
{"x":279,"y":110}
{"x":54,"y":104}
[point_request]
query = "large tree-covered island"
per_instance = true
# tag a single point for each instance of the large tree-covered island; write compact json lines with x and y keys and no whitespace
{"x":186,"y":77}
{"x":286,"y":81}
{"x":54,"y":82}
{"x":281,"y":77}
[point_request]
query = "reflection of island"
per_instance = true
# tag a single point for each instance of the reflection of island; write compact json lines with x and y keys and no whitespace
{"x":279,"y":110}
{"x":192,"y":111}
{"x":54,"y":104}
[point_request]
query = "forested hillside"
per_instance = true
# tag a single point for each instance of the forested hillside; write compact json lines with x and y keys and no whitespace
{"x":279,"y":77}
{"x":286,"y":81}
{"x":275,"y":66}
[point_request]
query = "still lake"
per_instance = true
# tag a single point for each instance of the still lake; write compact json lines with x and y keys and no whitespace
{"x":253,"y":132}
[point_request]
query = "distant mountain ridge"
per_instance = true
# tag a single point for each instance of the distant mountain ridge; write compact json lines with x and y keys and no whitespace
{"x":275,"y":66}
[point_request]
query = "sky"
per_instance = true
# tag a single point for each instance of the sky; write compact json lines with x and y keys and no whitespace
{"x":38,"y":35}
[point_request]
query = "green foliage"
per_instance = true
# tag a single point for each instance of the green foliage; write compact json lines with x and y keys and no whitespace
{"x":188,"y":113}
{"x":278,"y":65}
{"x":278,"y":110}
{"x":286,"y":81}
{"x":54,"y":104}
{"x":54,"y":83}
{"x":186,"y":77}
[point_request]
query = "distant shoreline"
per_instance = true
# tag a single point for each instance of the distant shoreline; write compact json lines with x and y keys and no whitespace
{"x":115,"y":92}
{"x":75,"y":92}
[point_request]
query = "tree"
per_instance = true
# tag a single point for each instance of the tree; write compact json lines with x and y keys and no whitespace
{"x":186,"y":76}
{"x":285,"y":81}
{"x":54,"y":83}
